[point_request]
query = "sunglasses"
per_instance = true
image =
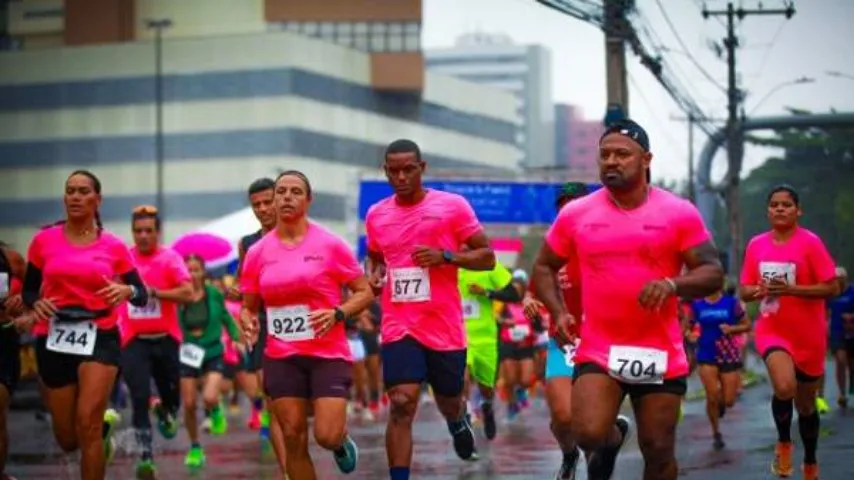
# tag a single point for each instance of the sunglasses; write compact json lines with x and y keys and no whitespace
{"x":145,"y":210}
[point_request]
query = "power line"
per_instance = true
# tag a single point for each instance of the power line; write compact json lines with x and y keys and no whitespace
{"x":771,"y":47}
{"x":702,"y":70}
{"x":653,"y":108}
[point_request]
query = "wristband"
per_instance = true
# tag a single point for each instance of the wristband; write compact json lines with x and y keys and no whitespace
{"x":672,"y":284}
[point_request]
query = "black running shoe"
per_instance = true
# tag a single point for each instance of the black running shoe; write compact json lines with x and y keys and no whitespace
{"x":488,"y":415}
{"x":567,"y":467}
{"x":600,"y":465}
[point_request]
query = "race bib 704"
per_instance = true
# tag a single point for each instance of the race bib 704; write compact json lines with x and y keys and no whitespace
{"x":637,"y":365}
{"x":149,"y":311}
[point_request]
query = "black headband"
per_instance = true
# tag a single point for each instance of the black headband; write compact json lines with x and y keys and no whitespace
{"x":630,"y":129}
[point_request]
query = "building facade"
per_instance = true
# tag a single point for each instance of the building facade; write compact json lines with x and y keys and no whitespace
{"x":236,"y":106}
{"x":524,"y":70}
{"x":577,"y":142}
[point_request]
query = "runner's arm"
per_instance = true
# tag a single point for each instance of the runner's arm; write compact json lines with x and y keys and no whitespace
{"x":183,"y":293}
{"x":544,"y":279}
{"x":31,"y":291}
{"x":508,"y":294}
{"x":705,"y":274}
{"x":743,"y":325}
{"x":360,"y":299}
{"x":228,"y":321}
{"x":140,"y":291}
{"x":479,"y":256}
{"x":16,"y":262}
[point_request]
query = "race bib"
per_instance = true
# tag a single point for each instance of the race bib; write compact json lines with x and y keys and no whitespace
{"x":191,"y":355}
{"x":519,"y":332}
{"x":777,"y":271}
{"x":151,"y":310}
{"x":471,"y":308}
{"x":411,"y":284}
{"x":72,"y":338}
{"x":4,"y":285}
{"x":289,"y":323}
{"x":569,"y":353}
{"x":637,"y":365}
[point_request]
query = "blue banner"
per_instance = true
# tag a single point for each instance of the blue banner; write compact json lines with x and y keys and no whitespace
{"x":493,"y":202}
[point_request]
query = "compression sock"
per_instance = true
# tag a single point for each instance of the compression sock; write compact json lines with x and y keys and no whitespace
{"x":782,"y":411}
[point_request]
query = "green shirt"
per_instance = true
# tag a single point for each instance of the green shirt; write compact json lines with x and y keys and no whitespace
{"x":481,"y":325}
{"x":218,"y":317}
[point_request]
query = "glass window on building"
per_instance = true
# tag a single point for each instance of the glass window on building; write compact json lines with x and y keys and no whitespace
{"x":378,"y":36}
{"x":327,"y":29}
{"x":310,"y":28}
{"x":360,"y":28}
{"x":361,"y":41}
{"x":395,"y":37}
{"x":412,"y":37}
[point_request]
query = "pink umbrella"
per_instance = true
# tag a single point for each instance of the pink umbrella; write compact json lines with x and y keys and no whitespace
{"x":214,"y":250}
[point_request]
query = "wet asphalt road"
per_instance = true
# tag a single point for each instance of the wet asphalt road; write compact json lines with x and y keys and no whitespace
{"x":523,"y":450}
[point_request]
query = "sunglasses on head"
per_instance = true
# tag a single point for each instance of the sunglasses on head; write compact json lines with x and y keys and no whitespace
{"x":145,"y":210}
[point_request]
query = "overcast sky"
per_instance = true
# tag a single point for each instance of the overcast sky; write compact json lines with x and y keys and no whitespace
{"x":819,"y":38}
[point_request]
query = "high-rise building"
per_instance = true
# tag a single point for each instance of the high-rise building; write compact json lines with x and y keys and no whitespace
{"x":576,"y":141}
{"x":239,"y":98}
{"x":524,"y":70}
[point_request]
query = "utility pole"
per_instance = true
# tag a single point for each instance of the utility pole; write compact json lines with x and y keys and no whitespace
{"x":617,"y":29}
{"x":158,"y":25}
{"x":735,"y":140}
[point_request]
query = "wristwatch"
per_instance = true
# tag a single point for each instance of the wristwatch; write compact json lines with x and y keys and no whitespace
{"x":448,"y":256}
{"x":339,"y":315}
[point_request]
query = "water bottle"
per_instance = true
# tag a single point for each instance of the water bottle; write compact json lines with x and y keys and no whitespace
{"x":769,"y":305}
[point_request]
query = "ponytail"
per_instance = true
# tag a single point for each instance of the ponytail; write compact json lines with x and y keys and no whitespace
{"x":99,"y":225}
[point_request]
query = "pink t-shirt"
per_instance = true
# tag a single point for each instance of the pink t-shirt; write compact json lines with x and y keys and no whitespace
{"x":162,"y":270}
{"x":72,"y":274}
{"x":422,"y":304}
{"x":294,"y":280}
{"x":801,"y":322}
{"x":618,"y":253}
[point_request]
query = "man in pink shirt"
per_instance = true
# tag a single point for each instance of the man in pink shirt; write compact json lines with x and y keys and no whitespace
{"x":631,"y":241}
{"x":414,"y":249}
{"x":151,"y":335}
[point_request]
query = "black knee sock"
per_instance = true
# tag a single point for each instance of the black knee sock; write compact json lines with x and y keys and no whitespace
{"x":782,"y":411}
{"x":808,"y":426}
{"x":144,"y":440}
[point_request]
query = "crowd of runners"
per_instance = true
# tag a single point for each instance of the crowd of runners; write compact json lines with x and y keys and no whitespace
{"x":626,"y":298}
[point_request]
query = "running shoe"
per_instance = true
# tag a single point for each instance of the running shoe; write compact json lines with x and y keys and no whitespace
{"x":111,"y":418}
{"x":488,"y":415}
{"x":601,"y":463}
{"x":782,"y":466}
{"x":167,"y":424}
{"x":718,"y":442}
{"x":568,"y":466}
{"x":264,"y":431}
{"x":254,"y":422}
{"x":195,"y":457}
{"x":146,"y":470}
{"x":810,"y":471}
{"x":463,"y":436}
{"x":348,"y":456}
{"x":821,"y":405}
{"x":219,"y":421}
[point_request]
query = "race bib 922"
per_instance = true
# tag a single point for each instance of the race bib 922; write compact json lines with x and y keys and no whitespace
{"x":290,"y":323}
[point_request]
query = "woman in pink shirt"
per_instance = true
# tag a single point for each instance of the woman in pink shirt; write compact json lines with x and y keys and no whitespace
{"x":299,"y":271}
{"x":77,"y":275}
{"x":151,"y":334}
{"x":790,"y":271}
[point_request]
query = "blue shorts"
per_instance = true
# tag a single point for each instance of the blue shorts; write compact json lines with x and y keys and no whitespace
{"x":407,"y":361}
{"x":556,"y":362}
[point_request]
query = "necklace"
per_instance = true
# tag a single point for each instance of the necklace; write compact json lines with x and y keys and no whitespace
{"x":628,"y":211}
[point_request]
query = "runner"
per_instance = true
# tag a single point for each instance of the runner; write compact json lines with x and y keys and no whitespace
{"x":201,"y":356}
{"x":414,"y":237}
{"x":371,"y":341}
{"x":261,"y":196}
{"x":720,"y":318}
{"x":789,"y":270}
{"x":359,"y":391}
{"x":299,"y":271}
{"x":478,"y":289}
{"x":842,"y":337}
{"x":559,"y":362}
{"x":518,"y":334}
{"x":71,"y":284}
{"x":151,"y":335}
{"x":631,"y":241}
{"x":12,"y":267}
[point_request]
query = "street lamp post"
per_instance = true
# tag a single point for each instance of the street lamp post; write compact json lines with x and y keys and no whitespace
{"x":158,"y":25}
{"x":797,"y":81}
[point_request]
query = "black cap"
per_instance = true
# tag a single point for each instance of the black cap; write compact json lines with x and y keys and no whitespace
{"x":628,"y":128}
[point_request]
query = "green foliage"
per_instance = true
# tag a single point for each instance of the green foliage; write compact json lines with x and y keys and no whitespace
{"x":819,"y":164}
